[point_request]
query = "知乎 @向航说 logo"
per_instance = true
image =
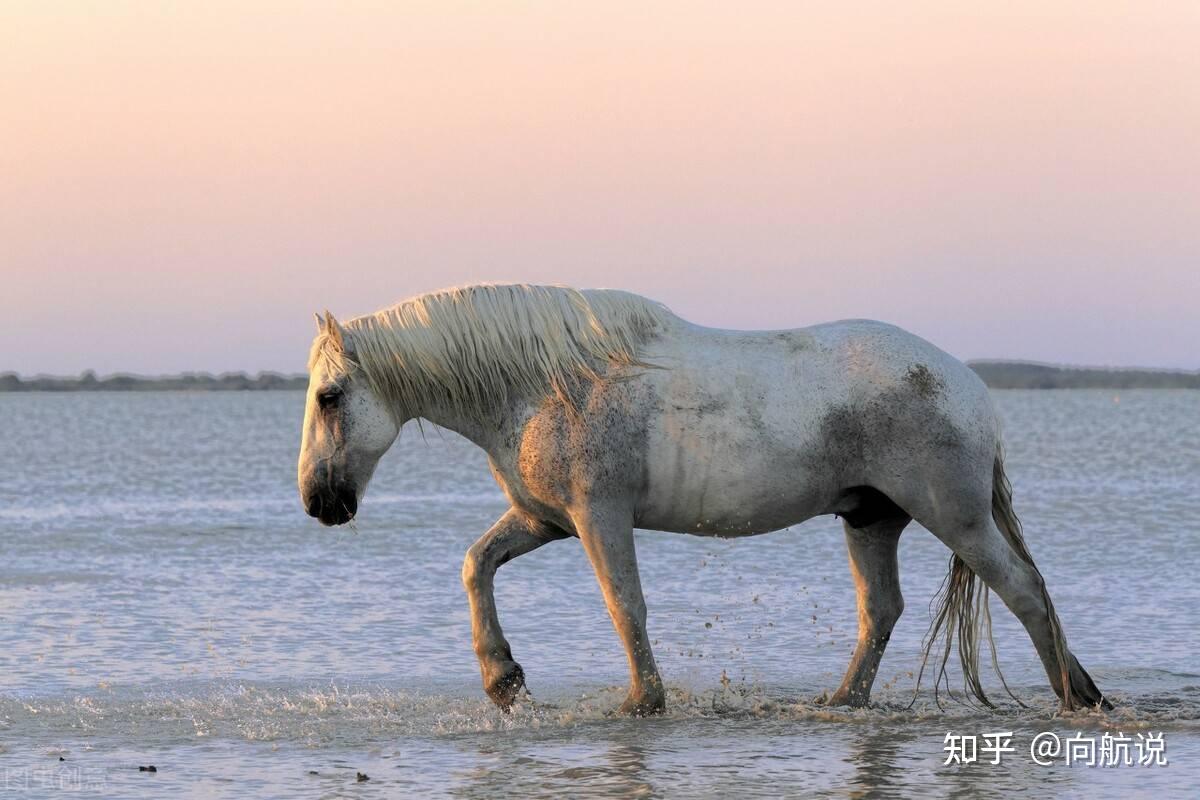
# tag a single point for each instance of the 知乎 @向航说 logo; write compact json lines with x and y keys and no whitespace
{"x":1048,"y":748}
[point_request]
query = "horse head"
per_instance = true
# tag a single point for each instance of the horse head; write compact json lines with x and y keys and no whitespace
{"x":347,"y":428}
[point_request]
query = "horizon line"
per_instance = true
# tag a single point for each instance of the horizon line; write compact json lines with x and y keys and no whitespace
{"x":8,"y":375}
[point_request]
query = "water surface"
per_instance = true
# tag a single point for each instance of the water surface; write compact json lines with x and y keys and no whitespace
{"x":164,"y":600}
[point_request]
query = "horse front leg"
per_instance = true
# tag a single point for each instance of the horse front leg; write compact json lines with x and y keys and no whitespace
{"x":608,"y":539}
{"x":510,"y":537}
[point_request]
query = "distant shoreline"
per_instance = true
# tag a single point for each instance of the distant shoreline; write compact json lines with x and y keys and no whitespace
{"x":186,"y":382}
{"x":996,"y":374}
{"x":1034,"y":375}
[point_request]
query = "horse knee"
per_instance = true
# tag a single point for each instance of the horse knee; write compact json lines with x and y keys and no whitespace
{"x":472,"y":568}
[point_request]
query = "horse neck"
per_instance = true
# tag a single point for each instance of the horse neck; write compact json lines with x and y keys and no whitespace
{"x":484,"y":428}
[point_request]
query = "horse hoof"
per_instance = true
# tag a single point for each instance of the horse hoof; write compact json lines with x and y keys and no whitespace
{"x":507,"y":681}
{"x":1092,"y":703}
{"x":644,"y":706}
{"x":848,"y":700}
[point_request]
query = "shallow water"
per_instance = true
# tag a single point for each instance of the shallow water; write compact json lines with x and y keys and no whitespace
{"x":164,"y":600}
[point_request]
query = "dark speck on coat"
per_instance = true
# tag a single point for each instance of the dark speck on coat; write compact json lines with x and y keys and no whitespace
{"x":923,"y":381}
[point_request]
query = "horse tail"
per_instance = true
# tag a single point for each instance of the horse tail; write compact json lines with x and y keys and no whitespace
{"x":962,"y":606}
{"x":961,"y":613}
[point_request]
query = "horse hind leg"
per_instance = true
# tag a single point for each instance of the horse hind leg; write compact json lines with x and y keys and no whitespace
{"x":872,"y":549}
{"x":988,"y":547}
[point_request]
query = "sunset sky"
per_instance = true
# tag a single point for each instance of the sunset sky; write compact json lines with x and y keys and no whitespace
{"x":183,"y":184}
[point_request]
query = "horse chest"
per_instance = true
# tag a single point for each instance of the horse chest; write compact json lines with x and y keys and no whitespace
{"x":556,"y":459}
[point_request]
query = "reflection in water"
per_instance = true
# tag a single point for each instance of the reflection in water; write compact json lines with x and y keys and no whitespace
{"x":510,"y":766}
{"x":876,"y":757}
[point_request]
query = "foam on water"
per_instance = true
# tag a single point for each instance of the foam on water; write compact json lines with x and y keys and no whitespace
{"x":319,"y":715}
{"x":270,"y":740}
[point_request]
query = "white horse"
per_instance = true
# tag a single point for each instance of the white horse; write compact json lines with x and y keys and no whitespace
{"x":601,"y":411}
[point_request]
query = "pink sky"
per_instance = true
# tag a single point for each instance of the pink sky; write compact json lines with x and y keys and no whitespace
{"x":182,"y":185}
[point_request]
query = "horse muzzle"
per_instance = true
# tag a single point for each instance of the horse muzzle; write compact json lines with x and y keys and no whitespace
{"x":332,"y":508}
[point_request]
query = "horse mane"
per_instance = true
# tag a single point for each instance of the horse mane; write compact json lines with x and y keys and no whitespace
{"x":473,"y":347}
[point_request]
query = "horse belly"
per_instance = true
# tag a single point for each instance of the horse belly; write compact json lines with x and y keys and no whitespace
{"x":727,"y":483}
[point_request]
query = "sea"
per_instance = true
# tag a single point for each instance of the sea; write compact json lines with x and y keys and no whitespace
{"x":173,"y":625}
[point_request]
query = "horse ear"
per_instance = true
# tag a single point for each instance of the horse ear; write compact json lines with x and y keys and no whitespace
{"x":334,"y":329}
{"x":320,"y":324}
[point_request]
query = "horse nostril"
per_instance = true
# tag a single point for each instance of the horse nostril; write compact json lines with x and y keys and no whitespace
{"x":313,"y":504}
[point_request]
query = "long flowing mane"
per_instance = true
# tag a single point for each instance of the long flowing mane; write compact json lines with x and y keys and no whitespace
{"x":472,"y":346}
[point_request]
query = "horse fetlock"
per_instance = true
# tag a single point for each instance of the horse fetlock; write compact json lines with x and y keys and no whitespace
{"x":503,"y":681}
{"x":645,"y":702}
{"x":854,"y":698}
{"x":1084,"y":693}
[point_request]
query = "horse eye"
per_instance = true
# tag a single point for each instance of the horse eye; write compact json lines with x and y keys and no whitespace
{"x":329,"y":398}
